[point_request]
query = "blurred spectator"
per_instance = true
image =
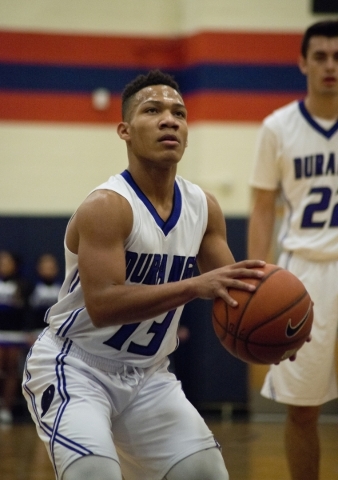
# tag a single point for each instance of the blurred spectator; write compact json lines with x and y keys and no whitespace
{"x":45,"y":293}
{"x":183,"y":335}
{"x":14,"y":292}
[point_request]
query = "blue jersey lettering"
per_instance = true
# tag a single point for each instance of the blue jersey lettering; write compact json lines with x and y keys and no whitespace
{"x":315,"y":166}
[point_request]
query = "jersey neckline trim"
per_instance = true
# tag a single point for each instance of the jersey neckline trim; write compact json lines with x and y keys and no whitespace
{"x":327,"y":133}
{"x":165,"y":226}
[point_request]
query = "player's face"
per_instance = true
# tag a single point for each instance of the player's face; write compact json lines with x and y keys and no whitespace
{"x":321,"y":65}
{"x":47,"y":267}
{"x":157,"y":128}
{"x":7,"y":265}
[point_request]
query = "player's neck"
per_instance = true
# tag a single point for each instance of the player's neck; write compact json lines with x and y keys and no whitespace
{"x":157,"y":185}
{"x":324,"y":106}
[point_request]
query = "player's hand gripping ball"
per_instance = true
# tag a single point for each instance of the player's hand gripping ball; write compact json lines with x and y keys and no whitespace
{"x":268,"y":325}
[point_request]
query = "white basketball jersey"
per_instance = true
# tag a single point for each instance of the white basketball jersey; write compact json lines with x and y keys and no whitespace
{"x":156,"y":252}
{"x":298,"y":154}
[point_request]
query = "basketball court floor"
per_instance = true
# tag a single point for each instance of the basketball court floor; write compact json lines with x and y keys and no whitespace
{"x":252,"y":447}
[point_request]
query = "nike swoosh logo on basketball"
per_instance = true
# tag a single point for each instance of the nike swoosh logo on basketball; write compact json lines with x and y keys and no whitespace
{"x":292,"y":331}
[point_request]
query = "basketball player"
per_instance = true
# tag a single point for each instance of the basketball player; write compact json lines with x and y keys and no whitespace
{"x":297,"y":155}
{"x":97,"y":380}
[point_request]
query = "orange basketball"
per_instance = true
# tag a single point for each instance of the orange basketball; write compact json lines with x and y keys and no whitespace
{"x":268,"y":325}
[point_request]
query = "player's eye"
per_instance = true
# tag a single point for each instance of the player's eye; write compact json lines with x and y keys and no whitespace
{"x":151,"y":110}
{"x":320,"y":57}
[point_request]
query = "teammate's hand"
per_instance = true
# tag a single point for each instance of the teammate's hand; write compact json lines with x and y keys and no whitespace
{"x":294,"y":356}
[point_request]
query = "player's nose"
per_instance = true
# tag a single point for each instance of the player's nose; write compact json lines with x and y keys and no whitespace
{"x":168,"y":120}
{"x":331,"y":63}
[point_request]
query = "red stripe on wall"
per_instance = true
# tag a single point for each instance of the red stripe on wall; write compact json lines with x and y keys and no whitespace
{"x":149,"y":52}
{"x":135,"y":52}
{"x":56,"y":108}
{"x":241,"y":47}
{"x":241,"y":107}
{"x":206,"y":106}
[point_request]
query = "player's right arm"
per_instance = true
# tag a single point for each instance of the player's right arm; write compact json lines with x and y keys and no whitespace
{"x":261,"y":223}
{"x":265,"y":180}
{"x":97,"y":234}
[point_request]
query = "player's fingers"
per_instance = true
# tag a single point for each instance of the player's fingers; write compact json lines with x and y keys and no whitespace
{"x":246,"y":273}
{"x":249,"y":264}
{"x":234,"y":284}
{"x":228,"y":298}
{"x":291,"y":359}
{"x":238,"y":270}
{"x":239,"y":285}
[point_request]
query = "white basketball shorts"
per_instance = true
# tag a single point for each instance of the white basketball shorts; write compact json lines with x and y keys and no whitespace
{"x":82,"y":405}
{"x":311,"y":379}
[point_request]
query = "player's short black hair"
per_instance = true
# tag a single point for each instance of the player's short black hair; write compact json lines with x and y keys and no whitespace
{"x":153,"y":77}
{"x":325,"y":28}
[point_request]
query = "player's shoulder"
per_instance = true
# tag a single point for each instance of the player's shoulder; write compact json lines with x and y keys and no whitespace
{"x":112,"y":191}
{"x":283,"y":115}
{"x":193,"y":196}
{"x":213,"y":206}
{"x":187,"y":187}
{"x":104,"y":214}
{"x":194,"y":199}
{"x":103,"y":201}
{"x":114,"y":183}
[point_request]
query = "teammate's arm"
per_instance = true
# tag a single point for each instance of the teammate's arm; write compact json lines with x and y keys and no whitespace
{"x":266,"y":180}
{"x":261,"y":223}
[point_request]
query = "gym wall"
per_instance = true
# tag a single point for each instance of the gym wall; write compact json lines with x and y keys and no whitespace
{"x":236,"y":62}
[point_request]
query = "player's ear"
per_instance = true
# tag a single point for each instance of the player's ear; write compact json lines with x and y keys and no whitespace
{"x":302,"y":64}
{"x":123,"y":130}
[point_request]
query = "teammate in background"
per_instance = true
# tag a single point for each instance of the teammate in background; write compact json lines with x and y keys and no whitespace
{"x":45,"y":292}
{"x":97,"y":382}
{"x":297,"y":156}
{"x":14,"y":291}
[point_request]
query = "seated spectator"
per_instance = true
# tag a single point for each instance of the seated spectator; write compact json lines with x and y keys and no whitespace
{"x":14,"y":292}
{"x":45,"y":293}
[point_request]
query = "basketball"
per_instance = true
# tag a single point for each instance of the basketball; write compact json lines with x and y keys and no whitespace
{"x":268,"y":325}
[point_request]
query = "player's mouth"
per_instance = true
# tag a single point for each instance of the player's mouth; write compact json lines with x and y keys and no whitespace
{"x":330,"y":80}
{"x":169,"y":140}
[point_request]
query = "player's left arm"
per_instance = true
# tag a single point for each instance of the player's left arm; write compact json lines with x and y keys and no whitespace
{"x":214,"y":250}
